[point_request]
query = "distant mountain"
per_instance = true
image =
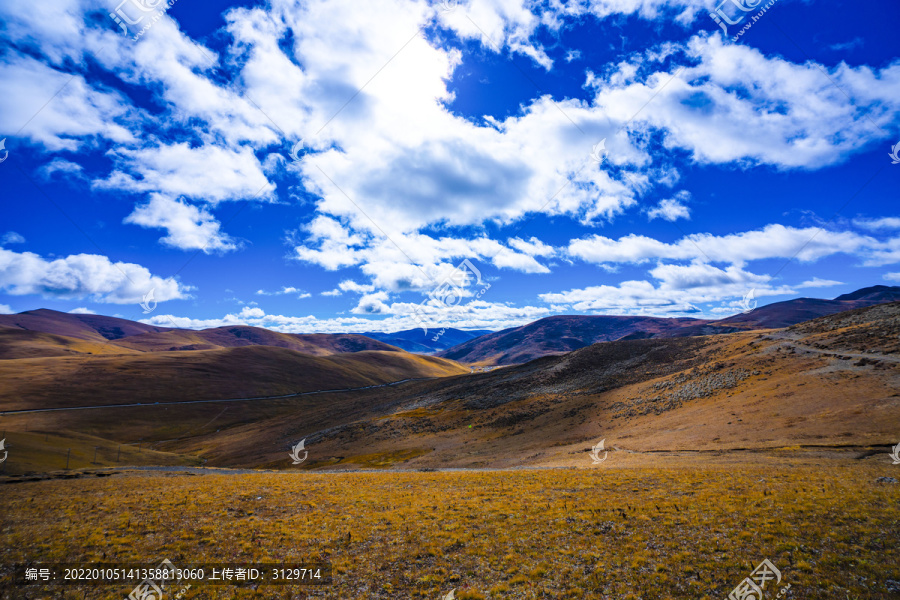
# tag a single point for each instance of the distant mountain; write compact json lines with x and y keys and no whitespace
{"x":415,"y":340}
{"x":93,"y":328}
{"x":558,"y":335}
{"x":798,"y":310}
{"x":46,"y":333}
{"x":316,"y":344}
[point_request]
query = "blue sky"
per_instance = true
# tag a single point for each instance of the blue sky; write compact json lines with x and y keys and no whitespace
{"x":154,"y":163}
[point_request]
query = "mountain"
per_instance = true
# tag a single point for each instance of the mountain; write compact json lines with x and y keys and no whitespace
{"x":50,"y":333}
{"x":224,"y":373}
{"x":235,"y":336}
{"x":92,"y":328}
{"x":752,"y":391}
{"x":557,"y":335}
{"x":798,"y":310}
{"x":416,"y":340}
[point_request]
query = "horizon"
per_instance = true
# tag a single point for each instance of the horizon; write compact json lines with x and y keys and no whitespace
{"x":463,"y":165}
{"x":238,"y":324}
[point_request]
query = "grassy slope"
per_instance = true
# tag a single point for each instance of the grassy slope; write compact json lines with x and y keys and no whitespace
{"x":750,"y":390}
{"x":689,"y":530}
{"x":249,"y":371}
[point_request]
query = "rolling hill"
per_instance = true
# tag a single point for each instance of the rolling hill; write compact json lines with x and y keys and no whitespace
{"x":224,"y":373}
{"x":733,"y":392}
{"x":50,"y":333}
{"x":749,"y":391}
{"x":557,"y":335}
{"x":92,"y":328}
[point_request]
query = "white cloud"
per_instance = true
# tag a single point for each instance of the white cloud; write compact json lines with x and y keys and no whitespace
{"x":533,"y":247}
{"x":682,"y":292}
{"x":892,"y":277}
{"x":351,"y":286}
{"x":11,"y":237}
{"x":188,"y":227}
{"x":672,"y":209}
{"x":61,"y":165}
{"x":286,"y":291}
{"x":734,"y":105}
{"x":209,"y":173}
{"x":81,"y":276}
{"x":816,"y":282}
{"x":78,"y":115}
{"x":773,"y":241}
{"x":476,"y":314}
{"x":5,"y":309}
{"x":882,"y":224}
{"x":81,"y":311}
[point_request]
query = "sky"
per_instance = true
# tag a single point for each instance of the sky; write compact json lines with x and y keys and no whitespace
{"x":347,"y":166}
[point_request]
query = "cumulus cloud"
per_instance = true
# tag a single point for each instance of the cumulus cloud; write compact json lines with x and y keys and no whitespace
{"x":397,"y":316}
{"x":11,"y":237}
{"x":5,"y":309}
{"x":773,"y":241}
{"x":81,"y":311}
{"x":79,"y":114}
{"x":892,"y":277}
{"x":188,"y":227}
{"x":209,"y":173}
{"x":83,"y":276}
{"x":671,"y":209}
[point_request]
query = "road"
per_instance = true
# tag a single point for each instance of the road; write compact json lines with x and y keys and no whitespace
{"x":791,"y":341}
{"x":368,"y":387}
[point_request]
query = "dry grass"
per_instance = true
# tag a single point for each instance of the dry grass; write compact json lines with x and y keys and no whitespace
{"x":685,"y":531}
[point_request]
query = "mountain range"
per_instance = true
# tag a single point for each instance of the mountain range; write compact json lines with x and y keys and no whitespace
{"x":561,"y":334}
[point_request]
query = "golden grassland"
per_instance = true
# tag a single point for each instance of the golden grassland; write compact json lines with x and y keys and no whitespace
{"x":40,"y":452}
{"x":677,"y":529}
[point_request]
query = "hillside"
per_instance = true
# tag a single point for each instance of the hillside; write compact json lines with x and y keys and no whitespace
{"x":316,"y":344}
{"x":49,"y":333}
{"x":733,"y":392}
{"x":93,"y":328}
{"x":557,"y":335}
{"x":242,"y":372}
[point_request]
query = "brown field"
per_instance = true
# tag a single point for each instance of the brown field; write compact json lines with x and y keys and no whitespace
{"x":663,"y":526}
